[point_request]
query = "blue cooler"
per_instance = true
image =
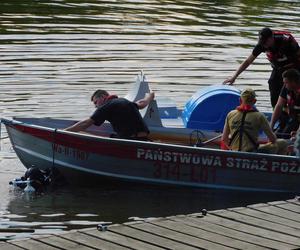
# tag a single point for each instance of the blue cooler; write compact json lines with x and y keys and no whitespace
{"x":208,"y":107}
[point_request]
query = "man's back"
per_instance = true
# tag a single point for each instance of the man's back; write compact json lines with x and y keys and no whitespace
{"x":254,"y":122}
{"x":123,"y":115}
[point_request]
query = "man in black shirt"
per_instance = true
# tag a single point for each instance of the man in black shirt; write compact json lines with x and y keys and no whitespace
{"x":282,"y":51}
{"x":123,"y":115}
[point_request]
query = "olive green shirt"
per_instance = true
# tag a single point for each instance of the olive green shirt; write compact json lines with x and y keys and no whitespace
{"x":254,"y":123}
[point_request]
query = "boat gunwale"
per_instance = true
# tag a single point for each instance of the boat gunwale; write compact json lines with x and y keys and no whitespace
{"x":8,"y":122}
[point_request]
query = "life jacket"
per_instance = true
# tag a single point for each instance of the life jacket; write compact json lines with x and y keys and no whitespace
{"x":293,"y":103}
{"x":277,"y":56}
{"x":110,"y":97}
{"x":224,"y":146}
{"x":245,"y":109}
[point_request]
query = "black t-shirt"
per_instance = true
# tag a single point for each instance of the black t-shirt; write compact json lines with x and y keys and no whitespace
{"x":123,"y":115}
{"x":283,"y":52}
{"x":293,"y":100}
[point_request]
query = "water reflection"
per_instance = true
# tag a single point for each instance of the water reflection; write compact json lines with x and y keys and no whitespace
{"x":54,"y":54}
{"x":73,"y":207}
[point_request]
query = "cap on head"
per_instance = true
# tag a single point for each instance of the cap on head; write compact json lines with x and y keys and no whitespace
{"x":264,"y":34}
{"x":248,"y":95}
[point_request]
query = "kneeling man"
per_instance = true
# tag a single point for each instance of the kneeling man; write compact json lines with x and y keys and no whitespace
{"x":123,"y":115}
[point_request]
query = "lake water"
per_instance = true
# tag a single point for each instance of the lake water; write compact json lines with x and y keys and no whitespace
{"x":54,"y":54}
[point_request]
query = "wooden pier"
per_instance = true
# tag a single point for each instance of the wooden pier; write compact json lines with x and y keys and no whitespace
{"x":273,"y":225}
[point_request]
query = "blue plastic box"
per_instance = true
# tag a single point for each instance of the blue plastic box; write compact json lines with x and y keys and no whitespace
{"x":208,"y":107}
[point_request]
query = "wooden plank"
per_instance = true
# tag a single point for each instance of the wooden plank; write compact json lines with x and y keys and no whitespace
{"x":291,"y":207}
{"x":91,"y":241}
{"x":204,"y":234}
{"x":157,"y":242}
{"x":61,"y":243}
{"x":249,"y":229}
{"x":179,"y":237}
{"x":256,"y":242}
{"x":275,"y":203}
{"x":295,"y":201}
{"x":8,"y":246}
{"x":119,"y":239}
{"x":276,"y":223}
{"x":278,"y":211}
{"x":31,"y":244}
{"x":264,"y":228}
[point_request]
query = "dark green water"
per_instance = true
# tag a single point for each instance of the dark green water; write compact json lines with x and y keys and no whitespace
{"x":54,"y":54}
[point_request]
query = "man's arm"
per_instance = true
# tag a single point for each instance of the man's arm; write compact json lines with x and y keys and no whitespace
{"x":81,"y":125}
{"x":242,"y":67}
{"x":277,"y":111}
{"x":271,"y":136}
{"x":142,"y":103}
{"x":267,"y":129}
{"x":225,"y":135}
{"x":265,"y":126}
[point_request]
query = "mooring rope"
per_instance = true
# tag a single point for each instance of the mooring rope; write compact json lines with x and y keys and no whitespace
{"x":53,"y":147}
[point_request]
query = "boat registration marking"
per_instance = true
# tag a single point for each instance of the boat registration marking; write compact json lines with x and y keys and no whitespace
{"x":178,"y":172}
{"x":71,"y":152}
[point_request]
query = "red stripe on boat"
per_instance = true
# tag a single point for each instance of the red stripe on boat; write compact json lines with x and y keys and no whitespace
{"x":88,"y":144}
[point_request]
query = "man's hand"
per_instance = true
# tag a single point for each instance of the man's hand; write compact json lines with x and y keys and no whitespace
{"x":80,"y":126}
{"x":150,"y":95}
{"x":293,"y":135}
{"x":145,"y":101}
{"x":229,"y":80}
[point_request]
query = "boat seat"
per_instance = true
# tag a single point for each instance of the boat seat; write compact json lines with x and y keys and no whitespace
{"x":138,"y":89}
{"x":166,"y":106}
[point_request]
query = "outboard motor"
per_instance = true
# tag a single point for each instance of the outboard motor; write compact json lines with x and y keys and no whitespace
{"x":37,"y":177}
{"x":37,"y":180}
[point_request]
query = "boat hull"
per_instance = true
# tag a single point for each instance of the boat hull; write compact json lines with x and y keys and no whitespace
{"x":86,"y":158}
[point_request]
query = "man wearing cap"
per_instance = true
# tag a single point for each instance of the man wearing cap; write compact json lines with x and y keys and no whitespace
{"x":282,"y":51}
{"x":242,"y":127}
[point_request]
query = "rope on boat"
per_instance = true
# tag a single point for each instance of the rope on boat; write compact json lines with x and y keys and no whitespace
{"x":53,"y":146}
{"x":212,"y":139}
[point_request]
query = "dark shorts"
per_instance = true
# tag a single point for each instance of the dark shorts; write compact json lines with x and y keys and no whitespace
{"x":275,"y":85}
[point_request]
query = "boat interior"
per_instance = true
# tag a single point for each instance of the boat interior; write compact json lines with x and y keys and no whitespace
{"x":192,"y":126}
